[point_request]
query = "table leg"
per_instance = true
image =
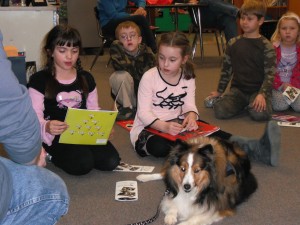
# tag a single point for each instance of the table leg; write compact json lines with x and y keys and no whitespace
{"x":200,"y":31}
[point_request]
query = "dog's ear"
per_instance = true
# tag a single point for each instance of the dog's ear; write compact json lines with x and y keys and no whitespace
{"x":179,"y":149}
{"x":206,"y":151}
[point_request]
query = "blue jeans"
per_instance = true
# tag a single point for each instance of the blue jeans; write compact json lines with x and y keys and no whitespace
{"x":39,"y":196}
{"x":221,"y":15}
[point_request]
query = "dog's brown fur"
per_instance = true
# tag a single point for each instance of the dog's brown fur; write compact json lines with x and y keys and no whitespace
{"x":221,"y":179}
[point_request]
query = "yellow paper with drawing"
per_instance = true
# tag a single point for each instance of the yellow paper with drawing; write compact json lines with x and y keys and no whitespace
{"x":88,"y":127}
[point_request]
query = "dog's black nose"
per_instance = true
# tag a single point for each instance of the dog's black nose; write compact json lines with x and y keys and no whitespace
{"x":187,"y":187}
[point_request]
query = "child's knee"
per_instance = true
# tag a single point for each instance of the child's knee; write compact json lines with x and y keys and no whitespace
{"x":222,"y":110}
{"x":259,"y":116}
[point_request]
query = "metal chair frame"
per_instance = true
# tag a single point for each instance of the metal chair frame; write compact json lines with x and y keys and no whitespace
{"x":103,"y":38}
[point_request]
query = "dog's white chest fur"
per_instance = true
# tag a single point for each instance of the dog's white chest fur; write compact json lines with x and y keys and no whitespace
{"x":183,"y":209}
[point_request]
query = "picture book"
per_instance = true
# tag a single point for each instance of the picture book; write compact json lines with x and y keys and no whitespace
{"x":125,"y":167}
{"x":286,"y":118}
{"x":88,"y":127}
{"x":291,"y":94}
{"x":289,"y":124}
{"x":126,"y":190}
{"x":204,"y":129}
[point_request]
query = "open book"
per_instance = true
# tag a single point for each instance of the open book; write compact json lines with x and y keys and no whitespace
{"x":88,"y":127}
{"x":204,"y":129}
{"x":286,"y":118}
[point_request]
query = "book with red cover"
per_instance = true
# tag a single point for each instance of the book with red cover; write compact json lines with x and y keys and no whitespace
{"x":285,"y":117}
{"x":204,"y":129}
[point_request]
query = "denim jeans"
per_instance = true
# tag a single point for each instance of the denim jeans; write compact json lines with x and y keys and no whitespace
{"x":39,"y":196}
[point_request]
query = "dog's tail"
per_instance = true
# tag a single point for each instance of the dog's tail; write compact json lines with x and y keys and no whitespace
{"x":149,"y":177}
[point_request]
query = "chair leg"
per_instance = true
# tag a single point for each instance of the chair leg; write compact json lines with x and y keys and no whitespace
{"x":222,"y":42}
{"x":218,"y":44}
{"x":194,"y":46}
{"x":95,"y":59}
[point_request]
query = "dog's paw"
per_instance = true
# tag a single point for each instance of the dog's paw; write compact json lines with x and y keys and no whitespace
{"x":170,"y":219}
{"x":149,"y":177}
{"x":143,"y":177}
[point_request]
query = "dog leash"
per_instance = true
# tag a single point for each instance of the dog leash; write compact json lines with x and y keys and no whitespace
{"x":153,"y":218}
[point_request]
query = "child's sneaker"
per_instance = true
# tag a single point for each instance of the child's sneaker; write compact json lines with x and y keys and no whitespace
{"x":210,"y":101}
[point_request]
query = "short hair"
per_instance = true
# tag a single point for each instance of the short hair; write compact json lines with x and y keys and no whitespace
{"x":256,"y":7}
{"x":287,"y":16}
{"x":125,"y":25}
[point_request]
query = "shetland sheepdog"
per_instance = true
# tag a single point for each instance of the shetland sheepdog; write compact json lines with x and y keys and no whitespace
{"x":206,"y":179}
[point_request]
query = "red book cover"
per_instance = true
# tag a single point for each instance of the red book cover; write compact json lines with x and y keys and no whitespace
{"x":204,"y":129}
{"x":285,"y":117}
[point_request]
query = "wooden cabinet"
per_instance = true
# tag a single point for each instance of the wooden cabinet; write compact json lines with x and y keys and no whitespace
{"x":294,"y":5}
{"x":277,"y":11}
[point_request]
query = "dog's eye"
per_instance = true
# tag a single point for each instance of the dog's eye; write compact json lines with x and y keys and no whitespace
{"x":197,"y":170}
{"x":182,"y":169}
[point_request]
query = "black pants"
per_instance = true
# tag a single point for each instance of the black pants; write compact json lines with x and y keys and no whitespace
{"x":141,"y":21}
{"x":149,"y":144}
{"x":81,"y":159}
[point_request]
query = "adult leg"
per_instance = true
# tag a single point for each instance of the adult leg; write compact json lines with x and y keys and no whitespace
{"x":278,"y":101}
{"x":219,"y":6}
{"x":217,"y":17}
{"x":106,"y":157}
{"x":231,"y":104}
{"x":39,"y":196}
{"x":229,"y":25}
{"x":260,"y":116}
{"x":266,"y":149}
{"x":73,"y":159}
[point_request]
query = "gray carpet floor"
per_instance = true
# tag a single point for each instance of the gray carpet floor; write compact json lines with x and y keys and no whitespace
{"x":276,"y":202}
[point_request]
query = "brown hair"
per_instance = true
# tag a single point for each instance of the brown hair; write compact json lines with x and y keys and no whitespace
{"x":126,"y":25}
{"x":256,"y":7}
{"x":179,"y":40}
{"x":60,"y":35}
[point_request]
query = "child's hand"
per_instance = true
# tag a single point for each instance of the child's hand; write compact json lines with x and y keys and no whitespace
{"x":173,"y":128}
{"x":190,"y":122}
{"x":140,"y":11}
{"x":285,"y":85}
{"x":259,"y":104}
{"x":56,"y":127}
{"x":214,"y":94}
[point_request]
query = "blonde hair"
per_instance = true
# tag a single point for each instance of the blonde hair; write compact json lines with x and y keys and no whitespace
{"x":126,"y":25}
{"x":256,"y":7}
{"x":287,"y":16}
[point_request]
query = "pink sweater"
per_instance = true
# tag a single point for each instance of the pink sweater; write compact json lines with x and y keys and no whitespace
{"x":159,"y":100}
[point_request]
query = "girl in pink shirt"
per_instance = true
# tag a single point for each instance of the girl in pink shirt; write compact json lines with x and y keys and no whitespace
{"x":165,"y":92}
{"x":286,"y":40}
